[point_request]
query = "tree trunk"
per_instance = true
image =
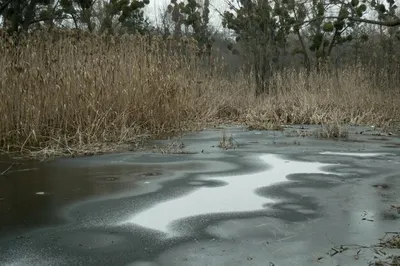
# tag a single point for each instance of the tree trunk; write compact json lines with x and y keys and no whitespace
{"x":29,"y":15}
{"x":16,"y":16}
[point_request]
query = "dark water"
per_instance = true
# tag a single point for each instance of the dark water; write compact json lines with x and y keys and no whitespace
{"x":31,"y":193}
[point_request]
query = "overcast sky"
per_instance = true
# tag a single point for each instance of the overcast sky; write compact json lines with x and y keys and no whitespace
{"x":156,"y":6}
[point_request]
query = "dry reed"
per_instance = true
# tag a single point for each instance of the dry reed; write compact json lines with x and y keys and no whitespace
{"x":71,"y":91}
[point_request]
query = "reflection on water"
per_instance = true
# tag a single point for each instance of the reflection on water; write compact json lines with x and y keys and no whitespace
{"x":237,"y":195}
{"x":361,"y":154}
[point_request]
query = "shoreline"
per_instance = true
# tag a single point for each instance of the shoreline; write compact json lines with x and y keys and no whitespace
{"x":143,"y":143}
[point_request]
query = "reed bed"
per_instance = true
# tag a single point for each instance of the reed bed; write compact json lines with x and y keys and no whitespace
{"x":70,"y":92}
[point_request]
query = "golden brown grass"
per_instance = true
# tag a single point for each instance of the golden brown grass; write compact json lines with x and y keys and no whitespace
{"x":332,"y":130}
{"x":389,"y":241}
{"x":226,"y":142}
{"x":72,"y":92}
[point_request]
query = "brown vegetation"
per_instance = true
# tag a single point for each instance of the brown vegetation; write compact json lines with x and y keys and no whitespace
{"x":64,"y":92}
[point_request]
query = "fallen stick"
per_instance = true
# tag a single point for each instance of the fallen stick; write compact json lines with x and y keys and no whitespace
{"x":8,"y":169}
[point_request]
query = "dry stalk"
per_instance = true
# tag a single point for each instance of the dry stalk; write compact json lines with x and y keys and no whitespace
{"x":65,"y":92}
{"x":227,"y":142}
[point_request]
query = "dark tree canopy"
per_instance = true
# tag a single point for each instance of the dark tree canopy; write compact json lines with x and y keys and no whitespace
{"x":20,"y":15}
{"x":263,"y":28}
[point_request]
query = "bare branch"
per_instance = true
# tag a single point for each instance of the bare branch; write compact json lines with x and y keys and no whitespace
{"x":4,"y":6}
{"x":8,"y":169}
{"x":388,"y":23}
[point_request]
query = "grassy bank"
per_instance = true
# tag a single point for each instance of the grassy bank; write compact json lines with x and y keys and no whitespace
{"x":69,"y":93}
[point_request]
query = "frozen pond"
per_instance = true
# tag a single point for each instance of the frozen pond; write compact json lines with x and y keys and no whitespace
{"x":235,"y":194}
{"x":272,"y":199}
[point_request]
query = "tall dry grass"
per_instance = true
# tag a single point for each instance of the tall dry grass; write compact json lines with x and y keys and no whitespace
{"x":64,"y":91}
